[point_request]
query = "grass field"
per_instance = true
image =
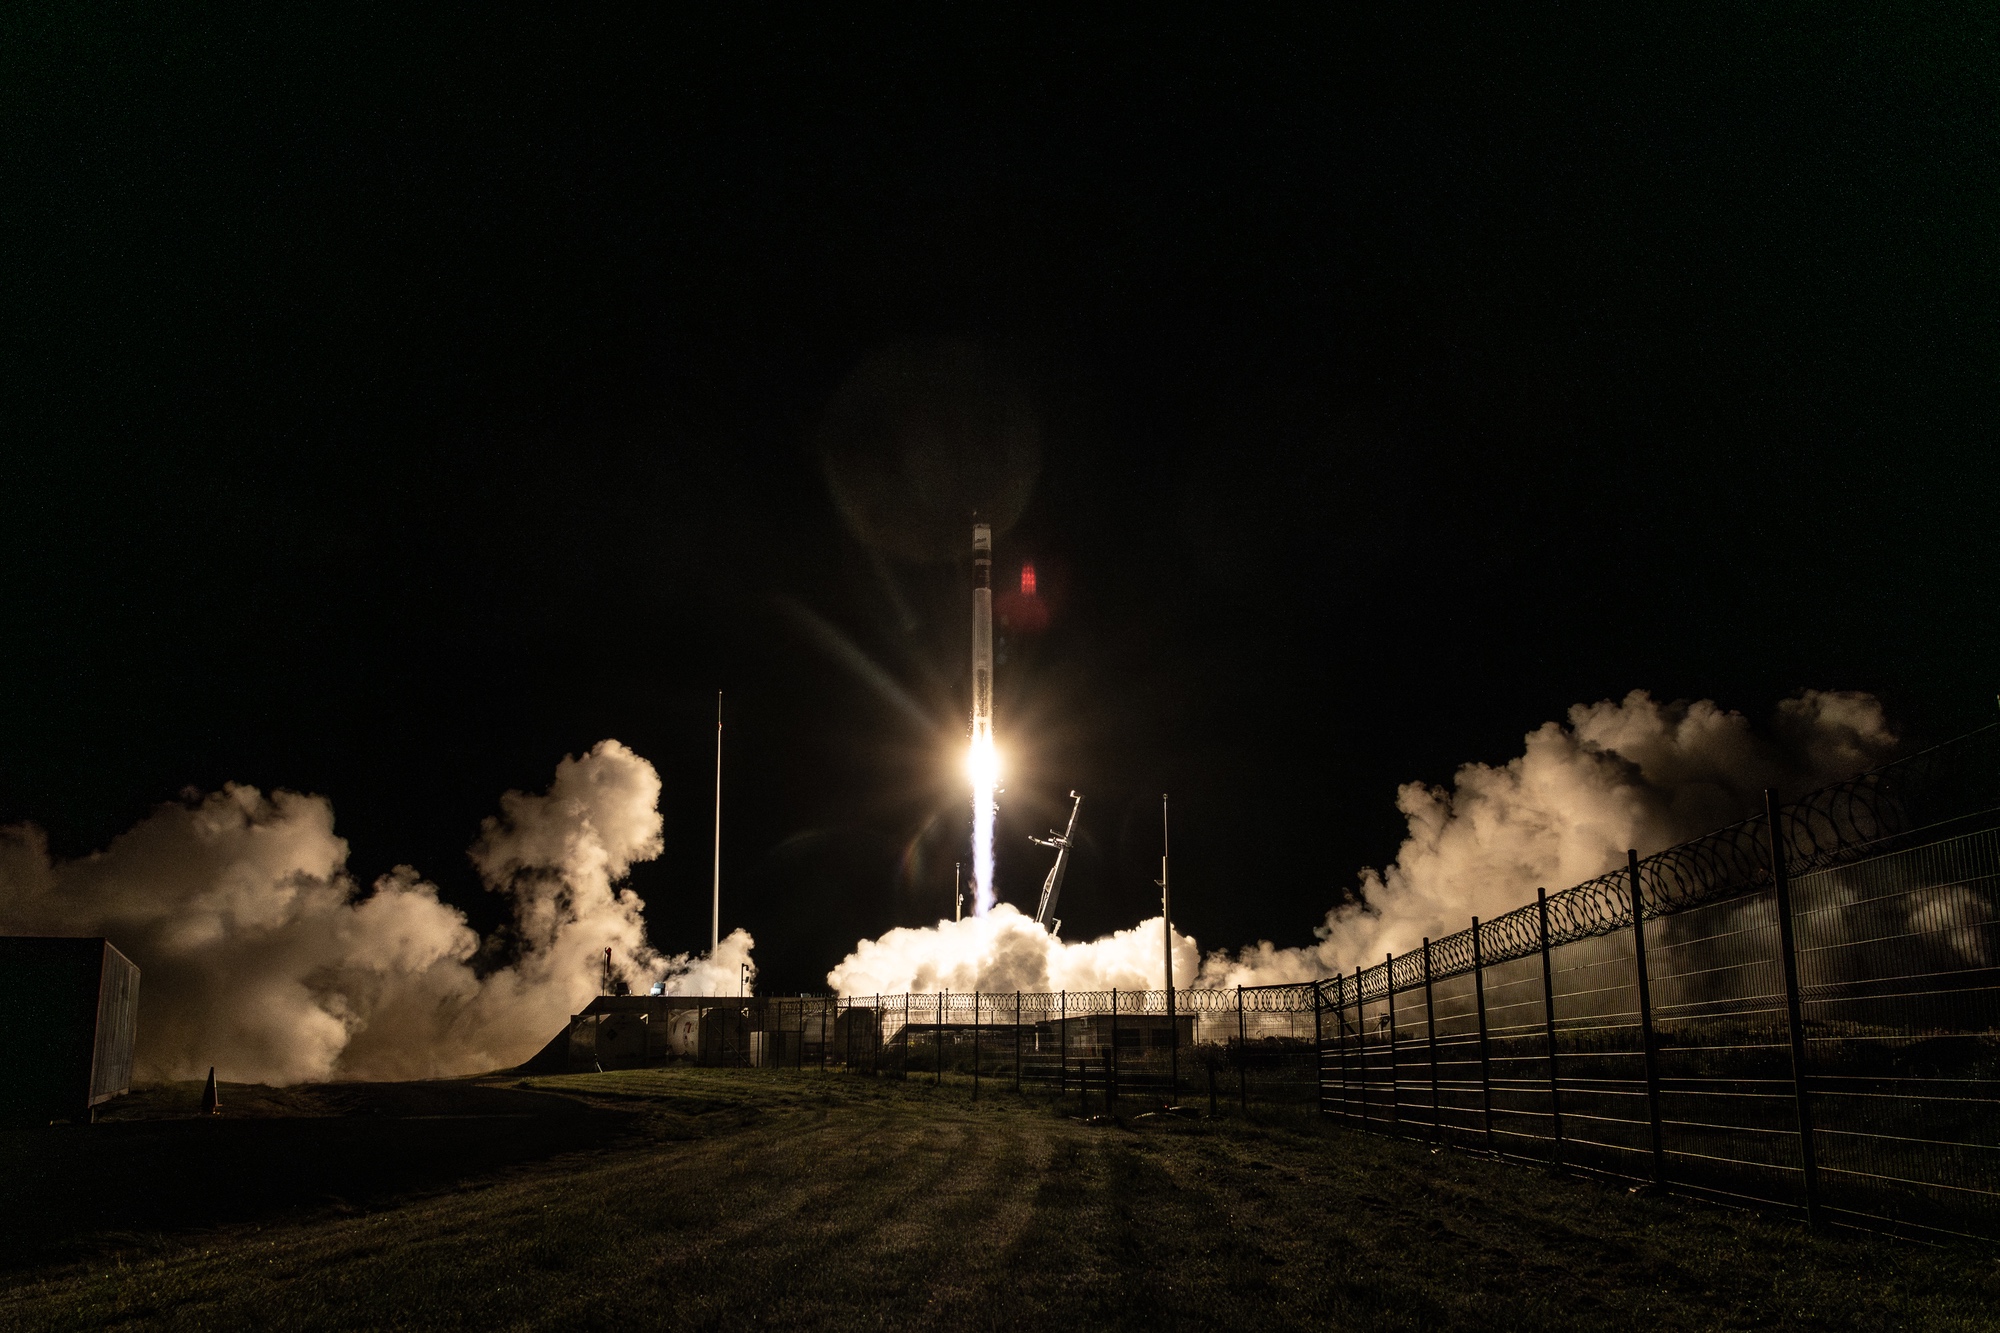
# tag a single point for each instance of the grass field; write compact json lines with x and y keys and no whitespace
{"x":729,"y":1200}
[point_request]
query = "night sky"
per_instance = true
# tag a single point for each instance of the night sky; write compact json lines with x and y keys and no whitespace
{"x":392,"y":406}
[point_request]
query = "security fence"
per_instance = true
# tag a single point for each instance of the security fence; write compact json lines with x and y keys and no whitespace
{"x":1801,"y":1010}
{"x":1798,"y":1010}
{"x":1117,"y":1050}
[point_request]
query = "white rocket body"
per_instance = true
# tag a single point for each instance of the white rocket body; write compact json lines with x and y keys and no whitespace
{"x":984,"y":766}
{"x":982,"y":632}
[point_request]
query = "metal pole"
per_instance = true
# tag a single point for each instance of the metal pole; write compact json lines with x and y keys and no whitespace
{"x":1361,"y":1044}
{"x":1549,"y":1029}
{"x":1062,"y":1046}
{"x":715,"y":912}
{"x":822,"y":1032}
{"x":1781,"y":881}
{"x":1167,"y":929}
{"x":1242,"y":1077}
{"x":1017,"y":1041}
{"x":938,"y":1047}
{"x":1431,"y":1036}
{"x":1319,"y":1058}
{"x":1485,"y":1064}
{"x":1647,"y":1044}
{"x":1340,"y":1035}
{"x":1395,"y":1075}
{"x":875,"y":1038}
{"x":975,"y":1046}
{"x":1111,"y":1063}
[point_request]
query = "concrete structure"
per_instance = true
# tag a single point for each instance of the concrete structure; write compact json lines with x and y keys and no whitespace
{"x":1090,"y":1034}
{"x":70,"y":1009}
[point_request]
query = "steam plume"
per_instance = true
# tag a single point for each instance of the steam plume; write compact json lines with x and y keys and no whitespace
{"x":1630,"y":773}
{"x":1007,"y":951}
{"x":261,"y":955}
{"x":1635,"y":773}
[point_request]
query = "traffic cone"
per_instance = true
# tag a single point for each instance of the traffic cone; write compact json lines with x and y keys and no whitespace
{"x":209,"y":1104}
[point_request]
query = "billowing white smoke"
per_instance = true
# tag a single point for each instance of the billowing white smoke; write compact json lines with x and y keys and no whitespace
{"x":260,"y":954}
{"x":1007,"y":951}
{"x":1636,"y":773}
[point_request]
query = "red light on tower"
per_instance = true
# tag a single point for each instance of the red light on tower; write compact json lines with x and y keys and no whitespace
{"x":1027,"y":580}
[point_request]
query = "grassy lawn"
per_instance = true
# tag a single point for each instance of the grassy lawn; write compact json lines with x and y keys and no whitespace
{"x":717,"y":1199}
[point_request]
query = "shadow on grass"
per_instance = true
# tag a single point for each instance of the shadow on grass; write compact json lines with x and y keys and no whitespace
{"x":151,"y":1168}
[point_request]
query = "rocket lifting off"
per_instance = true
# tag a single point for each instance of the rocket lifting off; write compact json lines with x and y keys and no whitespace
{"x":982,"y":763}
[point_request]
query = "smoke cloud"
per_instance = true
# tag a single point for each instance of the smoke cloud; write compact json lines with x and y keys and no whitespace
{"x":1630,"y":773}
{"x":1006,"y":950}
{"x":261,"y":955}
{"x":1634,"y":773}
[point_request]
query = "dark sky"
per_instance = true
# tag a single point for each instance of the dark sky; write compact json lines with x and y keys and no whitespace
{"x":394,"y":405}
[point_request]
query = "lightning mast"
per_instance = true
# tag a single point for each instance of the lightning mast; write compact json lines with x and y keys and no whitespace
{"x":1167,"y":931}
{"x":1052,"y":886}
{"x":715,"y":912}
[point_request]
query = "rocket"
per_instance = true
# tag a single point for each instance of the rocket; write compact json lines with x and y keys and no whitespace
{"x":982,"y":762}
{"x":982,"y":633}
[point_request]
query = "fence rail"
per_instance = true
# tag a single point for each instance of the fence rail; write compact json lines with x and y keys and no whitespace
{"x":1800,"y":1010}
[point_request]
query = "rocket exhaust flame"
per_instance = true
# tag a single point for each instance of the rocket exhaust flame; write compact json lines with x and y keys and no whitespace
{"x":982,"y":760}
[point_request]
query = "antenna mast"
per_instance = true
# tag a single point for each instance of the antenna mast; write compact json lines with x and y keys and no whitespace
{"x":1052,"y":886}
{"x":715,"y":914}
{"x":1167,"y":930}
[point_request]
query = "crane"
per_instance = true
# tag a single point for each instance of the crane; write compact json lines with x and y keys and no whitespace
{"x":1052,"y":886}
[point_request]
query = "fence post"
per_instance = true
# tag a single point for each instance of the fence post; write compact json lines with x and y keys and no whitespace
{"x":1319,"y":1059}
{"x":975,"y":1046}
{"x":1395,"y":1089}
{"x":1549,"y":1029}
{"x":1361,"y":1044}
{"x":1781,"y":881}
{"x":822,"y":1031}
{"x":1242,"y":1076}
{"x":904,"y":1070}
{"x":1017,"y":1041}
{"x":1431,"y":1035}
{"x":1062,"y":1047}
{"x":1111,"y":1061}
{"x":938,"y":1046}
{"x":1485,"y":1064}
{"x":1340,"y":1035}
{"x":1648,"y":1046}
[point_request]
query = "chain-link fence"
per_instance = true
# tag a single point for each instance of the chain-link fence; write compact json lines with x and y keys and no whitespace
{"x":1800,"y":1010}
{"x":1109,"y":1050}
{"x":1806,"y":1012}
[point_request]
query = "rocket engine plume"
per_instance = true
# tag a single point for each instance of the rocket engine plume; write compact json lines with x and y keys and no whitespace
{"x":982,"y":760}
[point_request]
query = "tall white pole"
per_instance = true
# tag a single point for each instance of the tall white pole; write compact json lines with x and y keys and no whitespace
{"x":715,"y":915}
{"x":1167,"y":930}
{"x":1166,"y":904}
